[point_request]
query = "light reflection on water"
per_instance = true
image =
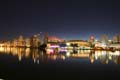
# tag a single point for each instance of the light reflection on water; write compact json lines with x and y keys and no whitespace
{"x":103,"y":56}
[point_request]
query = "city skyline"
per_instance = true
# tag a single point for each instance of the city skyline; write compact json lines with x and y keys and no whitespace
{"x":62,"y":18}
{"x":59,"y":39}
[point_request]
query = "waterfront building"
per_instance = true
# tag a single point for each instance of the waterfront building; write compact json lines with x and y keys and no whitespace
{"x":14,"y":43}
{"x":117,"y":46}
{"x":116,"y":39}
{"x":54,"y":39}
{"x":104,"y":41}
{"x":20,"y":41}
{"x":27,"y":42}
{"x":71,"y":44}
{"x":7,"y":44}
{"x":35,"y":41}
{"x":91,"y":41}
{"x":45,"y":38}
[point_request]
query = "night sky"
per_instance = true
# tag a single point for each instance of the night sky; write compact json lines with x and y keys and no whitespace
{"x":68,"y":19}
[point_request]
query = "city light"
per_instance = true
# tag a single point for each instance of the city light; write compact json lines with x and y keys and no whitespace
{"x":1,"y":49}
{"x":1,"y":45}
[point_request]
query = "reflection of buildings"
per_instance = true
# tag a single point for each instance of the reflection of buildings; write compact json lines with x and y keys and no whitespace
{"x":106,"y":56}
{"x":115,"y":56}
{"x":103,"y":56}
{"x":20,"y":52}
{"x":55,"y":57}
{"x":34,"y":53}
{"x":116,"y":59}
{"x":78,"y":54}
{"x":91,"y":56}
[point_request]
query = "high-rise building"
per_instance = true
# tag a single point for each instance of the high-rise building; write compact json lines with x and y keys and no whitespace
{"x":35,"y":41}
{"x":91,"y":41}
{"x":15,"y":42}
{"x":45,"y":38}
{"x":27,"y":42}
{"x":20,"y":42}
{"x":104,"y":39}
{"x":116,"y":39}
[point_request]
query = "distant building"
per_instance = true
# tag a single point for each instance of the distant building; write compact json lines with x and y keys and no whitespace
{"x":97,"y":44}
{"x":15,"y":43}
{"x":77,"y":43}
{"x":104,"y":40}
{"x":115,"y":45}
{"x":27,"y":42}
{"x":7,"y":44}
{"x":35,"y":41}
{"x":91,"y":41}
{"x":20,"y":41}
{"x":45,"y":38}
{"x":116,"y":39}
{"x":54,"y":39}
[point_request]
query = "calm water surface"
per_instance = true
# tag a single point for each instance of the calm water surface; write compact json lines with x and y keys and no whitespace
{"x":32,"y":64}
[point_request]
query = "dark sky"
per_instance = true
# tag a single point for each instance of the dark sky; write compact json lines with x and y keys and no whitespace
{"x":77,"y":19}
